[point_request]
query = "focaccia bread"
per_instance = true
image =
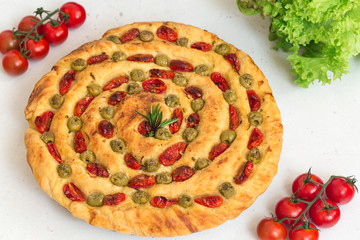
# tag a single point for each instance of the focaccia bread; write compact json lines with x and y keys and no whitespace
{"x":91,"y":148}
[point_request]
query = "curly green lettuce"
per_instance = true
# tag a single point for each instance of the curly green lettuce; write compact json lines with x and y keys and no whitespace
{"x":322,"y":35}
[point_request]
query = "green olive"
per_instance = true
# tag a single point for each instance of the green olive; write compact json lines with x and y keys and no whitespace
{"x":190,"y":134}
{"x":95,"y":199}
{"x":78,"y":65}
{"x":246,"y":80}
{"x":164,"y":178}
{"x":163,"y":134}
{"x":74,"y":123}
{"x":119,"y":179}
{"x":185,"y":201}
{"x":133,"y":88}
{"x":118,"y":56}
{"x":202,"y":69}
{"x":226,"y":189}
{"x":162,"y":60}
{"x":114,"y":39}
{"x":222,"y":49}
{"x":182,"y":42}
{"x":197,"y":104}
{"x":151,"y":165}
{"x":180,"y":80}
{"x":228,"y":136}
{"x":254,"y":155}
{"x":137,"y":75}
{"x":146,"y":36}
{"x":140,"y":197}
{"x":64,"y":170}
{"x":47,"y":137}
{"x":255,"y":118}
{"x":172,"y":100}
{"x":88,"y":156}
{"x":118,"y":145}
{"x":107,"y":112}
{"x":94,"y":89}
{"x":201,"y":163}
{"x":230,"y":96}
{"x":56,"y":101}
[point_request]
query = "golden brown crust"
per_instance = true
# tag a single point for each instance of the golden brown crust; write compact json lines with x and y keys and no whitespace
{"x":145,"y":220}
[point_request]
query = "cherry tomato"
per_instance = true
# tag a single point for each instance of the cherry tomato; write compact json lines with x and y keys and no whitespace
{"x":289,"y":209}
{"x":55,"y":35}
{"x":305,"y":232}
{"x":341,"y":190}
{"x":14,"y":63}
{"x":27,"y":23}
{"x":324,"y":216}
{"x":305,"y":190}
{"x":77,"y":14}
{"x":8,"y":41}
{"x":37,"y":50}
{"x":269,"y":229}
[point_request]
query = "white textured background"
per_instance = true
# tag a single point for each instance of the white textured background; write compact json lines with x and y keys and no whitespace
{"x":321,"y":124}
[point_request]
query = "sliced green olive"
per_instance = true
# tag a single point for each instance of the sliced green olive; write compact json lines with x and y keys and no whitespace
{"x":95,"y":199}
{"x":140,"y":197}
{"x":172,"y":100}
{"x":255,"y":118}
{"x":56,"y":101}
{"x":180,"y":80}
{"x":74,"y":123}
{"x":230,"y":96}
{"x":182,"y":42}
{"x":137,"y":75}
{"x":222,"y":49}
{"x":78,"y":65}
{"x":114,"y":39}
{"x":118,"y":56}
{"x":64,"y":170}
{"x":107,"y":112}
{"x":162,"y":60}
{"x":228,"y":136}
{"x":133,"y":88}
{"x":164,"y":178}
{"x":151,"y":165}
{"x":202,"y":69}
{"x":118,"y":145}
{"x":163,"y":134}
{"x":119,"y":179}
{"x":146,"y":36}
{"x":254,"y":155}
{"x":94,"y":89}
{"x":185,"y":201}
{"x":47,"y":137}
{"x":190,"y":134}
{"x":88,"y":156}
{"x":246,"y":80}
{"x":226,"y":189}
{"x":197,"y":104}
{"x":201,"y":163}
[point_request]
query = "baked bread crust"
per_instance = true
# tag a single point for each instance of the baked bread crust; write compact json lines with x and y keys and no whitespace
{"x":146,"y":220}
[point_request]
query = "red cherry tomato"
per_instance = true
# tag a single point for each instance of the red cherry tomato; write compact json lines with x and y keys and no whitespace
{"x":324,"y":216}
{"x":305,"y":232}
{"x":14,"y":63}
{"x":286,"y":208}
{"x":8,"y":41}
{"x":77,"y":14}
{"x":27,"y":23}
{"x":37,"y":50}
{"x":55,"y":35}
{"x":269,"y":229}
{"x":305,"y":190}
{"x":341,"y":190}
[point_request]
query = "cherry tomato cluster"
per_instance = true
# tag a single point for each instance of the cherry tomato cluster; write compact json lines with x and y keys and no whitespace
{"x":313,"y":204}
{"x":34,"y":34}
